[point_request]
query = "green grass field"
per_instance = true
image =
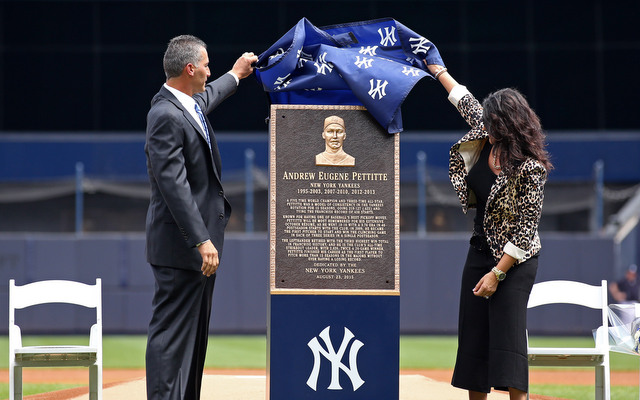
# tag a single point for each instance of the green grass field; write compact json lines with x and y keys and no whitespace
{"x":249,"y":352}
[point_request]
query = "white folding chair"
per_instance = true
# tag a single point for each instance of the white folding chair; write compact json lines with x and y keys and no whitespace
{"x":582,"y":294}
{"x":55,"y":291}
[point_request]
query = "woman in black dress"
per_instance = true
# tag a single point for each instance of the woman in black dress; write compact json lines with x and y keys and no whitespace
{"x":499,"y":167}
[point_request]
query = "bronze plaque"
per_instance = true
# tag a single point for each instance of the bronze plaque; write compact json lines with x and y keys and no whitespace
{"x":334,"y":198}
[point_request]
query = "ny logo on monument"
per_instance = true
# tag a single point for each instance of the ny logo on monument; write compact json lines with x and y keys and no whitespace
{"x":335,"y":359}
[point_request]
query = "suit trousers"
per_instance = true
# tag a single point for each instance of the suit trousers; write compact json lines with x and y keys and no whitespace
{"x":492,"y":342}
{"x":178,"y":333}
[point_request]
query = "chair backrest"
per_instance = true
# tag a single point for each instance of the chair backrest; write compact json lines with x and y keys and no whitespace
{"x":570,"y":292}
{"x":55,"y":291}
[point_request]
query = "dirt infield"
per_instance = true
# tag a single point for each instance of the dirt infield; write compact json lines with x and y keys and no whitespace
{"x":537,"y":376}
{"x":116,"y":377}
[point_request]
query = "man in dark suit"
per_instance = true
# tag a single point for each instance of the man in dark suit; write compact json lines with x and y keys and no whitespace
{"x":187,"y":215}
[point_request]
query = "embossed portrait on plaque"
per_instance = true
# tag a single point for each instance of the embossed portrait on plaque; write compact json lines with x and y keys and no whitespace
{"x":334,"y":134}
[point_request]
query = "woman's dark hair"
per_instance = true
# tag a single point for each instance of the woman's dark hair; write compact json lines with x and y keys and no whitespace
{"x":515,"y":129}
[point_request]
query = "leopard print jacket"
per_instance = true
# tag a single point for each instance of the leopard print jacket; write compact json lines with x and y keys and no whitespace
{"x":514,"y":205}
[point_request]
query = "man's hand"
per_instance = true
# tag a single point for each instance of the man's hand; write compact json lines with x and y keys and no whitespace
{"x":243,"y":66}
{"x":210,"y":259}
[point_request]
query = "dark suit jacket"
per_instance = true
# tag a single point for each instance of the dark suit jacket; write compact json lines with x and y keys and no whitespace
{"x":187,"y":204}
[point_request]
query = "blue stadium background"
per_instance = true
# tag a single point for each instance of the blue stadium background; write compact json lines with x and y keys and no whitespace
{"x":76,"y":78}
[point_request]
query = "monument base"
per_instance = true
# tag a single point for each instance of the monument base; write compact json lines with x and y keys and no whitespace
{"x":329,"y":347}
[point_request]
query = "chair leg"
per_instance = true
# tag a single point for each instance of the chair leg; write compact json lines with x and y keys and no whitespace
{"x":606,"y":382}
{"x":15,"y":383}
{"x":93,"y":383}
{"x":99,"y":368}
{"x":599,"y":384}
{"x":607,"y":379}
{"x":602,"y":383}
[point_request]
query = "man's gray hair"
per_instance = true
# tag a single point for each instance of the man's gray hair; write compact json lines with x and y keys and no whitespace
{"x":181,"y":51}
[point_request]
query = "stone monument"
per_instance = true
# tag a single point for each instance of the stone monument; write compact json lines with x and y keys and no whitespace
{"x":334,"y":255}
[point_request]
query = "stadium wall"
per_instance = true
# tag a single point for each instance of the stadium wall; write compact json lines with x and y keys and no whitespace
{"x":430,"y":275}
{"x":121,"y":155}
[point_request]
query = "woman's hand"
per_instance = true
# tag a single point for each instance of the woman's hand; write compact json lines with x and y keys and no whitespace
{"x":487,"y":285}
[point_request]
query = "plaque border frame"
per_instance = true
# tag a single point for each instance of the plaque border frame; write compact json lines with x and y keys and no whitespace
{"x":272,"y":209}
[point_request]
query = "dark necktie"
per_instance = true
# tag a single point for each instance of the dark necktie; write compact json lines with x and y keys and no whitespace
{"x":213,"y":147}
{"x":204,"y":124}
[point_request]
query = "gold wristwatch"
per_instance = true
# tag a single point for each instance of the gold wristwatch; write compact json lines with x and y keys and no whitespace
{"x":499,"y":274}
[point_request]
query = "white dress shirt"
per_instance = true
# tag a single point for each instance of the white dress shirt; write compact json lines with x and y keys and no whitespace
{"x":189,"y":103}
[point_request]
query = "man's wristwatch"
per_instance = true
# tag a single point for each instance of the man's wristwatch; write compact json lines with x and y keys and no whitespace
{"x":499,"y":274}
